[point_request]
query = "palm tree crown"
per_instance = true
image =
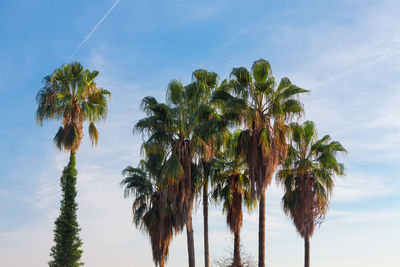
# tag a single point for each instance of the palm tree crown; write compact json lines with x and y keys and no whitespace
{"x":308,"y":176}
{"x":70,"y":94}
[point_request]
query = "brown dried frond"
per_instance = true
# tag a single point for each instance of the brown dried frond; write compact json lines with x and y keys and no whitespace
{"x":161,"y":233}
{"x":306,"y":214}
{"x":181,"y":194}
{"x":234,"y":217}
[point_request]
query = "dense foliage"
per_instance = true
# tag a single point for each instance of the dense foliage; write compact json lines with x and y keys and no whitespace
{"x":67,"y":250}
{"x":232,"y":136}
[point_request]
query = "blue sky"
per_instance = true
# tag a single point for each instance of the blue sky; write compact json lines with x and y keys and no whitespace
{"x":346,"y":52}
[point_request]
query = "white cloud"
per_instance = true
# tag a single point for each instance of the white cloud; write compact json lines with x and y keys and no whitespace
{"x":363,"y":186}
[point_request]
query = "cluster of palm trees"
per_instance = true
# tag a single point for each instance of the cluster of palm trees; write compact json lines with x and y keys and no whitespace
{"x":226,"y":140}
{"x":220,"y":140}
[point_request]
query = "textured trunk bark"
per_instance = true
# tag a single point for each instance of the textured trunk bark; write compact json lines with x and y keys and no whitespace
{"x":306,"y":251}
{"x":190,"y":241}
{"x":261,"y":232}
{"x":237,"y":261}
{"x":205,"y":217}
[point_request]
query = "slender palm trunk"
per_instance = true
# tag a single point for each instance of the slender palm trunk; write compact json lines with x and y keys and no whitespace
{"x":190,"y":241}
{"x":237,"y":261}
{"x":205,"y":217}
{"x":307,"y":251}
{"x":261,"y":231}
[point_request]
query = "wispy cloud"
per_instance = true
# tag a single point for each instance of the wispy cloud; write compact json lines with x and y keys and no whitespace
{"x":368,"y":63}
{"x":364,"y":186}
{"x":203,"y":11}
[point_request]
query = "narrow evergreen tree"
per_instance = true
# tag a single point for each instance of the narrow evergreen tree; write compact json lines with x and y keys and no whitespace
{"x":66,"y":251}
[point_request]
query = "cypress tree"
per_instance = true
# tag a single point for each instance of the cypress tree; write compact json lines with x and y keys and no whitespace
{"x":67,"y":250}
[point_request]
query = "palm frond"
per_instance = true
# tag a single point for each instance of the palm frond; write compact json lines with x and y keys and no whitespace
{"x":58,"y":138}
{"x":175,"y":92}
{"x":261,"y":70}
{"x":93,"y":133}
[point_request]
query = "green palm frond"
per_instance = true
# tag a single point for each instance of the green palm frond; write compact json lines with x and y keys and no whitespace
{"x":310,"y":133}
{"x":261,"y":70}
{"x":290,"y":108}
{"x":242,"y":76}
{"x":220,"y":95}
{"x":46,"y":99}
{"x":290,"y":90}
{"x":175,"y":92}
{"x":265,"y":87}
{"x":284,"y":84}
{"x":147,"y":103}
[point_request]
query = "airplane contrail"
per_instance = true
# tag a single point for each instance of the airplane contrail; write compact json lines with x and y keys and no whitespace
{"x":94,"y":29}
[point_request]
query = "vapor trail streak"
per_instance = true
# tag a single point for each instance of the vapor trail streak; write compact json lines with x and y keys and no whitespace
{"x":94,"y":29}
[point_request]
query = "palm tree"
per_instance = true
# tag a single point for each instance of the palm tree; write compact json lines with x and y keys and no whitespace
{"x":253,"y":101}
{"x":151,"y":211}
{"x":232,"y":187}
{"x":208,"y":136}
{"x":169,"y":127}
{"x":308,"y":179}
{"x":71,"y":95}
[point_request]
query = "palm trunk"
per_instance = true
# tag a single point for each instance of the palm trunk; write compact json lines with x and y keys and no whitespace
{"x":307,"y":251}
{"x":205,"y":217}
{"x":237,"y":261}
{"x":190,"y":241}
{"x":261,"y":231}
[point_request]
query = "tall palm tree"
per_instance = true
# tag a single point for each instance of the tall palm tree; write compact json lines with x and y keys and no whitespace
{"x":253,"y":101}
{"x":232,"y":187}
{"x":151,"y":211}
{"x":308,"y":179}
{"x":208,"y":136}
{"x":71,"y":95}
{"x":169,"y":127}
